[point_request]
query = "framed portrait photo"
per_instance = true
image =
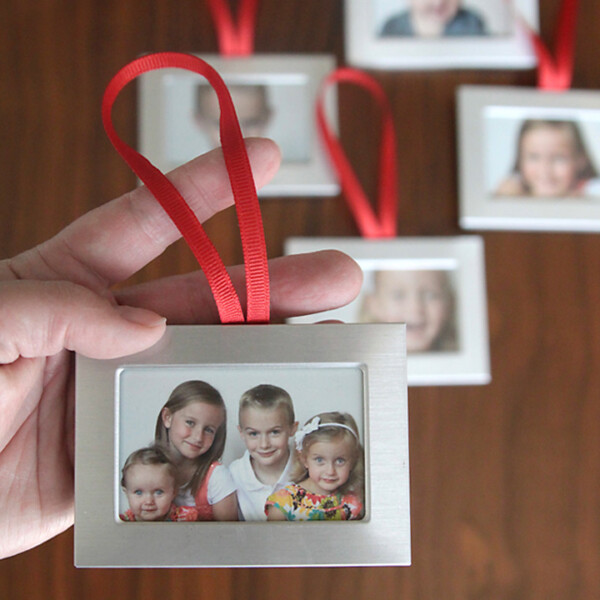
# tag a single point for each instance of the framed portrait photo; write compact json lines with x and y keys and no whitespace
{"x":171,"y":444}
{"x":435,"y":286}
{"x":274,"y":97}
{"x":421,"y":34}
{"x":529,"y":160}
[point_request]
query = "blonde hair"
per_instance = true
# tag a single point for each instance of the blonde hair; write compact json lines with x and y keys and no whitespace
{"x":203,"y":91}
{"x":446,"y":340}
{"x":152,"y":455}
{"x":266,"y":396}
{"x":355,"y":483}
{"x":183,"y":395}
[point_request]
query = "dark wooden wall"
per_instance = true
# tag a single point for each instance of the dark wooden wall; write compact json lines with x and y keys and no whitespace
{"x":505,"y":477}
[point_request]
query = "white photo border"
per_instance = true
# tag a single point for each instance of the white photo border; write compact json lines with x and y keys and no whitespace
{"x":382,"y":538}
{"x":478,"y":207}
{"x":313,"y":177}
{"x":365,"y":49}
{"x":464,"y":257}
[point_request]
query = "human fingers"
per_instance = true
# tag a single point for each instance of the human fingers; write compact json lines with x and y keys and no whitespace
{"x":112,"y":242}
{"x":41,"y":318}
{"x":300,"y":284}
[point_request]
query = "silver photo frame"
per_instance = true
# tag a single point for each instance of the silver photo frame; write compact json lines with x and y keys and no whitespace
{"x":358,"y":367}
{"x":436,"y":286}
{"x":529,"y":159}
{"x":274,"y":96}
{"x":475,"y":34}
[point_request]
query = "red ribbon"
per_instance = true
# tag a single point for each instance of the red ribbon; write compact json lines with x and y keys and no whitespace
{"x":370,"y":225}
{"x":242,"y":185}
{"x":556,"y":73}
{"x":234,"y":39}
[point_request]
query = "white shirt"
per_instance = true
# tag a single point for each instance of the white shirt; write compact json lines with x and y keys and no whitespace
{"x":220,"y":485}
{"x":252,"y":493}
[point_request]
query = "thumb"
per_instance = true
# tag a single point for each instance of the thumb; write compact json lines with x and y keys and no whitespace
{"x":41,"y":318}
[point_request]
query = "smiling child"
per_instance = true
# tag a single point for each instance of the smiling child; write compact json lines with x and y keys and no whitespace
{"x":424,"y":300}
{"x":149,"y":480}
{"x":552,"y":162}
{"x":328,"y":473}
{"x":434,"y":18}
{"x":266,"y":423}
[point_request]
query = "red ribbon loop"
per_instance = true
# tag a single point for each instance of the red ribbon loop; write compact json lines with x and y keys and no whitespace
{"x":242,"y":185}
{"x":234,"y":39}
{"x":556,"y":73}
{"x":370,"y":225}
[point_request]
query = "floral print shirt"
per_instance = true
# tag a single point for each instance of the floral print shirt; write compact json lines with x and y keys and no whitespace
{"x":298,"y":504}
{"x":176,"y":513}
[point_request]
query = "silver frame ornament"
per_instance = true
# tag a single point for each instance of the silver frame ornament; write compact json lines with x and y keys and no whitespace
{"x":372,"y":357}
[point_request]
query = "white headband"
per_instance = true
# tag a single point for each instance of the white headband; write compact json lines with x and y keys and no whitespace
{"x":315,"y":424}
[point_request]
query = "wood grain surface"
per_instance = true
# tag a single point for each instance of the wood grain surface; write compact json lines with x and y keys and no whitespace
{"x":505,"y":477}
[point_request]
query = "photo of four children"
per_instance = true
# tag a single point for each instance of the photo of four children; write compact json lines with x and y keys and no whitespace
{"x":283,"y":469}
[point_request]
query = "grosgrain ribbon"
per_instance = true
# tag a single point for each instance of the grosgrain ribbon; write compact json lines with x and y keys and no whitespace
{"x":242,"y":185}
{"x":556,"y":73}
{"x":235,"y":39}
{"x":371,"y":225}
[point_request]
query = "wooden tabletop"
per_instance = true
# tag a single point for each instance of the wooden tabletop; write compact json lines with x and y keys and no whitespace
{"x":505,"y":477}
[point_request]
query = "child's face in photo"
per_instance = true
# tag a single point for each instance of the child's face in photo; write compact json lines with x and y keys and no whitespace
{"x":251,"y":107}
{"x":432,"y":16}
{"x":192,"y":429}
{"x":150,"y":490}
{"x":266,"y":433}
{"x":418,"y":298}
{"x":329,"y":464}
{"x":549,"y":163}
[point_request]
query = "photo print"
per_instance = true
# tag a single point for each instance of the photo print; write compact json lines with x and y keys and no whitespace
{"x":439,"y":34}
{"x":247,"y":420}
{"x":442,"y":18}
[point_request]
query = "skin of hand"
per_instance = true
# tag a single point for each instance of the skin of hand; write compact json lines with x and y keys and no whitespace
{"x":511,"y":186}
{"x":274,"y":514}
{"x":58,"y":298}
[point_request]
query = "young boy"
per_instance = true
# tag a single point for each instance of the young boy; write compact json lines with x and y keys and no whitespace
{"x":434,"y":18}
{"x":266,"y":423}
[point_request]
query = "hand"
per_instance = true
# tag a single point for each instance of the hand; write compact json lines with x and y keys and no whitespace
{"x":511,"y":186}
{"x":58,"y":298}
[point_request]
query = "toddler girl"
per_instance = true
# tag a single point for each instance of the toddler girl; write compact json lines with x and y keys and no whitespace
{"x":149,"y":480}
{"x":552,"y":162}
{"x":328,"y":473}
{"x":192,"y":426}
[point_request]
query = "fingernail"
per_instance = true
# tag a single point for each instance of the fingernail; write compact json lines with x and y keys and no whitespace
{"x":141,"y":316}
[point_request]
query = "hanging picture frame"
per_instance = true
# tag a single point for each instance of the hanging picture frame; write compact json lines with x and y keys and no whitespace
{"x":117,"y":402}
{"x":434,"y":285}
{"x":274,"y":96}
{"x":529,"y":159}
{"x":412,"y":34}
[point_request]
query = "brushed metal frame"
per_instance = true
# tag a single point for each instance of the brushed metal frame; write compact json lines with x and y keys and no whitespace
{"x":313,"y":177}
{"x":381,"y":538}
{"x":464,"y":257}
{"x":479,"y":209}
